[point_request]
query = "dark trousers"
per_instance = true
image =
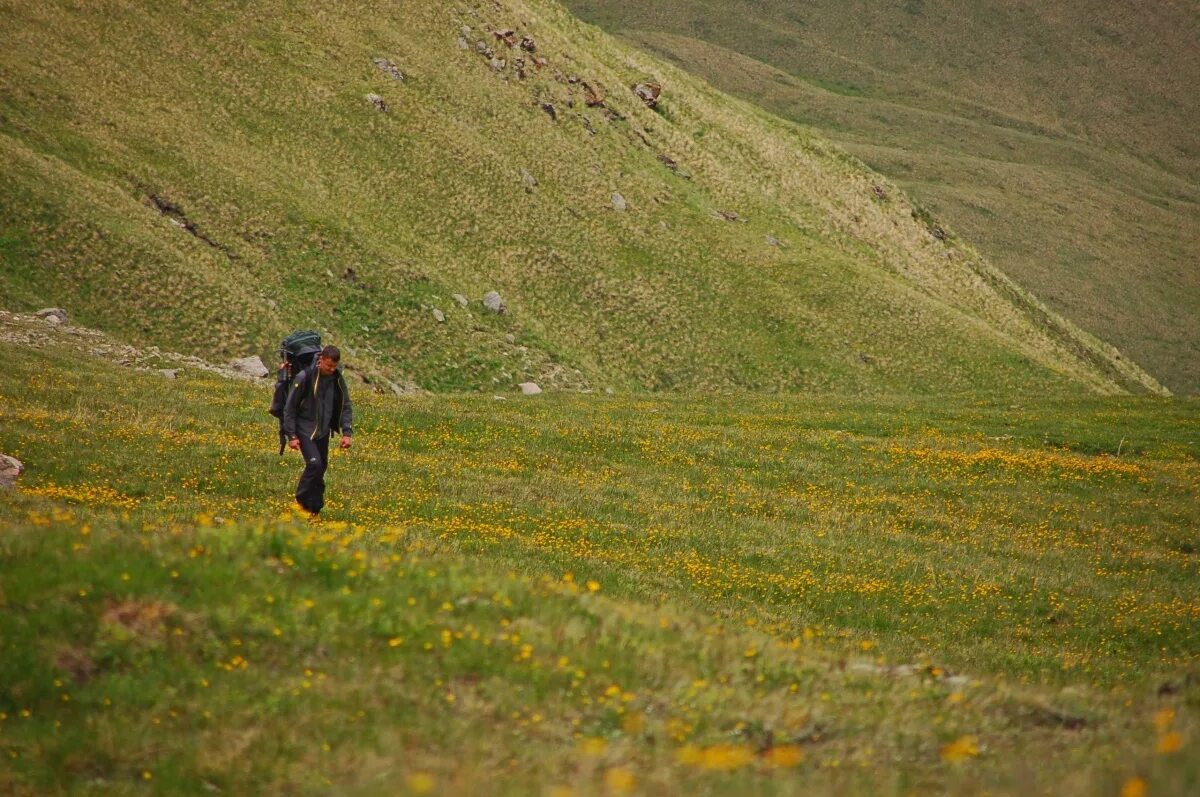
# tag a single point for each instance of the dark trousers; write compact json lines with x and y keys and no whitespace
{"x":310,"y":492}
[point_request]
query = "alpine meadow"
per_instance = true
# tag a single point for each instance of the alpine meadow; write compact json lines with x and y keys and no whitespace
{"x":698,"y":449}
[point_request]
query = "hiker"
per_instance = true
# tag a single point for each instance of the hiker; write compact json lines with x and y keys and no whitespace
{"x":318,"y":404}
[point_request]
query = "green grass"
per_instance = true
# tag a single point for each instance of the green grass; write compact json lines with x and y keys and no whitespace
{"x":603,"y":594}
{"x":309,"y":208}
{"x":1059,"y":140}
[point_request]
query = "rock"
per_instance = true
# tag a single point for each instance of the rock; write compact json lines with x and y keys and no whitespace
{"x":549,"y":108}
{"x":463,"y":44}
{"x":10,"y":469}
{"x":458,"y":297}
{"x":52,"y":315}
{"x":726,"y":215}
{"x":529,"y":388}
{"x":511,"y":338}
{"x":507,"y":36}
{"x":608,"y":391}
{"x":773,"y":241}
{"x":493,"y":302}
{"x":169,"y":373}
{"x":619,"y":202}
{"x":499,"y":398}
{"x":529,"y":180}
{"x":497,"y":64}
{"x":593,"y":95}
{"x":528,"y":44}
{"x":439,"y":315}
{"x":648,"y":93}
{"x":378,"y":102}
{"x":252,"y":366}
{"x":879,"y":191}
{"x":465,"y":30}
{"x":389,"y":69}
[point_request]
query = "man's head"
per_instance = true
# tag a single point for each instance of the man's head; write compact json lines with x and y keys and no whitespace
{"x":328,"y":360}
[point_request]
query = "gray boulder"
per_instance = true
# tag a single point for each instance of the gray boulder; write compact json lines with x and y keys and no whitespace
{"x":619,"y":202}
{"x":251,"y":366}
{"x":458,"y":297}
{"x":493,"y":302}
{"x":10,"y":469}
{"x":379,"y":103}
{"x":439,"y":315}
{"x":529,"y":388}
{"x":52,"y":315}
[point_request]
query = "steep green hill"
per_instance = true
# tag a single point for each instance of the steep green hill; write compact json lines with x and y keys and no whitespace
{"x":1060,"y":138}
{"x":210,"y":176}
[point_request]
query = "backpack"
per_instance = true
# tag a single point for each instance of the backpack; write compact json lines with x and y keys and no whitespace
{"x":297,"y":351}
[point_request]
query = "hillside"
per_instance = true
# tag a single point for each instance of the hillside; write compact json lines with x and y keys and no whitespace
{"x":590,"y":595}
{"x":1058,"y":138}
{"x":207,"y":178}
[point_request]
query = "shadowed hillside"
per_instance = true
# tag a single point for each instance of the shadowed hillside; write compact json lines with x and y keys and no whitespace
{"x":1059,"y":138}
{"x":209,"y":178}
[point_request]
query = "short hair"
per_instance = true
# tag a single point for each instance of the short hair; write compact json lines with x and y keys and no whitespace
{"x":332,"y":352}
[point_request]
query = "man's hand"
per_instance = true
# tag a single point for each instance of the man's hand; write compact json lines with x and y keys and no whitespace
{"x":294,"y":444}
{"x":345,"y":441}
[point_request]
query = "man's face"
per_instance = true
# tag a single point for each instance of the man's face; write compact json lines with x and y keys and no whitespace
{"x":326,"y":366}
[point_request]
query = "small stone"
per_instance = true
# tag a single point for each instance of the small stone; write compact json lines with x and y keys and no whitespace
{"x":527,"y":178}
{"x":389,"y":69}
{"x":493,"y":302}
{"x":169,"y":373}
{"x":497,"y":64}
{"x":648,"y":93}
{"x":463,"y":44}
{"x":465,"y":30}
{"x":439,"y":315}
{"x":773,"y":241}
{"x":499,"y":398}
{"x":52,"y":315}
{"x":511,"y":338}
{"x":378,"y":102}
{"x":10,"y":469}
{"x":458,"y":297}
{"x":251,"y":366}
{"x":529,"y":388}
{"x":619,"y":202}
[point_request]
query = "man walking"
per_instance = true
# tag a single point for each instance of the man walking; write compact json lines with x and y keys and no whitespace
{"x":318,"y":404}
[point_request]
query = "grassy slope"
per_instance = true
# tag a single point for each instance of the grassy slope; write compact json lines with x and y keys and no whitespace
{"x":759,"y":565}
{"x":1060,"y":139}
{"x":309,"y":207}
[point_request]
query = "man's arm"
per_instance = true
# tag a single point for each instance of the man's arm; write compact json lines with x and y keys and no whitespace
{"x":347,"y":419}
{"x":293,"y":405}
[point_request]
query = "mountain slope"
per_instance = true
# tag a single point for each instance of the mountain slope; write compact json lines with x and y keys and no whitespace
{"x":209,"y":178}
{"x":1061,"y":138}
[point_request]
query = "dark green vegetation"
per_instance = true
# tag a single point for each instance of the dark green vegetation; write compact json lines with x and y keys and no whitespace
{"x":784,"y":595}
{"x":1060,"y":138}
{"x":209,"y":177}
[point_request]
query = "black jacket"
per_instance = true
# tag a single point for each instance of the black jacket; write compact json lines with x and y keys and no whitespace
{"x":302,"y":413}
